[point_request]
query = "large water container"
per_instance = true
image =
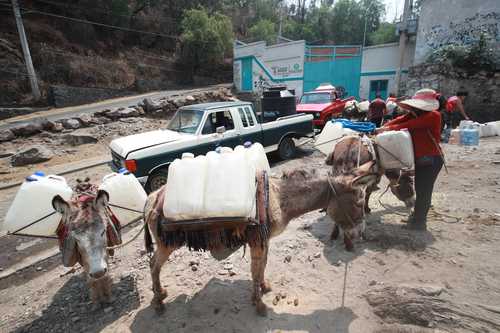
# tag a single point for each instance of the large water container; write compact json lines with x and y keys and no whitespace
{"x":487,"y":130}
{"x":185,"y":189}
{"x":465,"y":124}
{"x":124,"y":191}
{"x":495,"y":125}
{"x":256,"y":155}
{"x":455,"y":135}
{"x":230,"y":186}
{"x":395,"y":150}
{"x":33,"y":202}
{"x":330,"y":136}
{"x":470,"y":136}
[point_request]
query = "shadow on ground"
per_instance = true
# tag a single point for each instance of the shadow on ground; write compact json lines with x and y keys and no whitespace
{"x":221,"y":307}
{"x":379,"y":237}
{"x":72,"y":311}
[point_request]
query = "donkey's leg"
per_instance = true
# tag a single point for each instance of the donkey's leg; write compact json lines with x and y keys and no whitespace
{"x":349,"y":245}
{"x":258,"y":254}
{"x":265,"y":286}
{"x":160,"y":256}
{"x":335,"y":231}
{"x":367,"y":202}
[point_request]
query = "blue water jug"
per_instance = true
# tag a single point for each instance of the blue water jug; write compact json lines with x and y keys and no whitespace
{"x":470,"y":137}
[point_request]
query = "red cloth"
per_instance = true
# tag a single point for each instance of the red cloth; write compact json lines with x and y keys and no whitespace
{"x":451,"y":104}
{"x":422,"y":129}
{"x":376,"y":109}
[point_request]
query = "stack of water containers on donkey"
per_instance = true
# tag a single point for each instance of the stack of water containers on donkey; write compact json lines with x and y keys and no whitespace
{"x":218,"y":185}
{"x":31,"y":213}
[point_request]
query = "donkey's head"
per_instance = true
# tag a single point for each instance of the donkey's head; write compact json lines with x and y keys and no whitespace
{"x":349,"y":197}
{"x":84,"y":234}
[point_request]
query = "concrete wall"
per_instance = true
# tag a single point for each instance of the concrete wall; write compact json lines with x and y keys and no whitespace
{"x":380,"y":62}
{"x":456,"y":22}
{"x":276,"y":64}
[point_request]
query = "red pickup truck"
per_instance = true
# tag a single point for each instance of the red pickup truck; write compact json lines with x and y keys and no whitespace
{"x":324,"y":103}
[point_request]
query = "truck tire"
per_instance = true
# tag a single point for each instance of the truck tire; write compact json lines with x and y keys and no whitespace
{"x":156,"y":180}
{"x":286,"y":149}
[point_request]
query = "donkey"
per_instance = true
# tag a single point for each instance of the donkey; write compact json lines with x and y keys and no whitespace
{"x":86,"y":230}
{"x":294,"y":194}
{"x":353,"y":202}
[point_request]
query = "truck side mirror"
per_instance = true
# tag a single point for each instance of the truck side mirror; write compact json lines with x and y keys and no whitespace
{"x":220,"y":130}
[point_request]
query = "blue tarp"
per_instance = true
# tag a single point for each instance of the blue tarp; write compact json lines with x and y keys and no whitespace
{"x":359,"y":126}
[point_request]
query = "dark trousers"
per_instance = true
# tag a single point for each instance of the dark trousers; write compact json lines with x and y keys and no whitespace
{"x":377,"y":121}
{"x":426,"y":172}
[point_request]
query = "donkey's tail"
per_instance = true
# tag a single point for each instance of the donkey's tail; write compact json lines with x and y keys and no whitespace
{"x":148,"y":240}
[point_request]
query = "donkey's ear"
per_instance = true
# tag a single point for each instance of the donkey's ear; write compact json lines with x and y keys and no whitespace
{"x":59,"y":204}
{"x":101,"y":199}
{"x":365,"y":180}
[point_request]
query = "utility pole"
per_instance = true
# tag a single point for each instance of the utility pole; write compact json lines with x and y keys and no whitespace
{"x":26,"y":51}
{"x":279,"y":28}
{"x":403,"y":36}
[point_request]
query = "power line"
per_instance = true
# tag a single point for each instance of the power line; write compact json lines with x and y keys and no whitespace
{"x":67,"y":5}
{"x":98,"y":23}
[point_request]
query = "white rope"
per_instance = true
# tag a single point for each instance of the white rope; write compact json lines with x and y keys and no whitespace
{"x":127,"y":242}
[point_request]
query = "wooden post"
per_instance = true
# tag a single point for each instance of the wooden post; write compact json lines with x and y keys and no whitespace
{"x":26,"y":51}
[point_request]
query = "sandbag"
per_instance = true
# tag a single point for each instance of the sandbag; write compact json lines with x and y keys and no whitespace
{"x":395,"y":150}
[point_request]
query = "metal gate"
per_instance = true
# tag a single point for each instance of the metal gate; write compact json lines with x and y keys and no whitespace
{"x":338,"y":65}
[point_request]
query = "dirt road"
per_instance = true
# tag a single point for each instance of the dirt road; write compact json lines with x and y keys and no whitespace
{"x":68,"y":112}
{"x":445,"y":280}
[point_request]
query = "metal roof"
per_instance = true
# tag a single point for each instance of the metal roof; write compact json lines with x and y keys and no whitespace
{"x":215,"y":105}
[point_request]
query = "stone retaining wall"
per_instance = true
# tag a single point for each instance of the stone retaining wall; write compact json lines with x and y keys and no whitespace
{"x":483,"y":102}
{"x":62,"y":96}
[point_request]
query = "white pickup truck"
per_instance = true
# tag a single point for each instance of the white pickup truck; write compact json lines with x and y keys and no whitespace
{"x":201,"y":128}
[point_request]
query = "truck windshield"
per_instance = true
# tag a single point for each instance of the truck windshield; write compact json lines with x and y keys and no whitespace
{"x":186,"y":121}
{"x":316,"y":98}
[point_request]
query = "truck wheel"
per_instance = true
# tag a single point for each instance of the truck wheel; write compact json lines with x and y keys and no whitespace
{"x":286,"y":149}
{"x":156,"y":180}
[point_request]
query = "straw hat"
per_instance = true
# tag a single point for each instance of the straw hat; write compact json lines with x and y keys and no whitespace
{"x":424,"y":99}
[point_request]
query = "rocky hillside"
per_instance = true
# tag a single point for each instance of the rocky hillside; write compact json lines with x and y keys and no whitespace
{"x":85,"y":55}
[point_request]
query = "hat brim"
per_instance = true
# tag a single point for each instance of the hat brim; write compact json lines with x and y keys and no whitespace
{"x":421,"y":104}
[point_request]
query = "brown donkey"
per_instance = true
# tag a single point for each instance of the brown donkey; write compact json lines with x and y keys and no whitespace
{"x":294,"y":194}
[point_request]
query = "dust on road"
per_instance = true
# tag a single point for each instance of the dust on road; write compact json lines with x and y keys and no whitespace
{"x":449,"y":276}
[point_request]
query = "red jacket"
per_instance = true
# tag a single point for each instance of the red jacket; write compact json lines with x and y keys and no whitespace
{"x":422,"y":129}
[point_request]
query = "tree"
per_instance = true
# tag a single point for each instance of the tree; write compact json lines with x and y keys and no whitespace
{"x":205,"y":39}
{"x":263,"y":30}
{"x":386,"y":33}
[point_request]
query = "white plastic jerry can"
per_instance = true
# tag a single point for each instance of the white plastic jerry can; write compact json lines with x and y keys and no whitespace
{"x":230,"y":186}
{"x":31,"y":212}
{"x":126,"y":195}
{"x":185,"y":188}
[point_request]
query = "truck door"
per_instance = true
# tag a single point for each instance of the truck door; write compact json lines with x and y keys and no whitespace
{"x":210,"y":139}
{"x":250,"y":130}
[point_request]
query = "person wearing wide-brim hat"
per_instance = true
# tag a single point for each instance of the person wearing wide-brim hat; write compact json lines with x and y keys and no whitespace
{"x":423,"y":121}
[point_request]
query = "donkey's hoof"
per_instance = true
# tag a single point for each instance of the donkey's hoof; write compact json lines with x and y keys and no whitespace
{"x":159,"y":307}
{"x":161,"y":295}
{"x":261,"y":309}
{"x":265,"y":287}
